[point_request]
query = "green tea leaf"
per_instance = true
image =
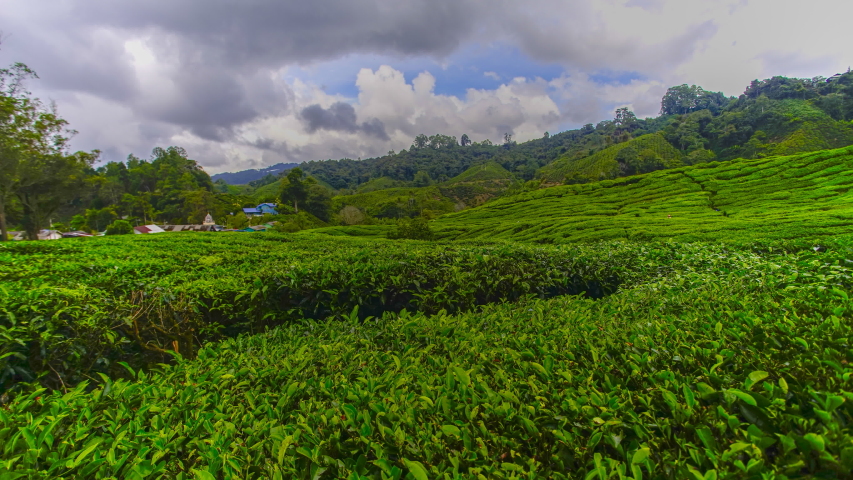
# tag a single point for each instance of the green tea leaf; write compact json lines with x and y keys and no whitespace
{"x":640,"y":456}
{"x":416,"y":469}
{"x":745,"y":397}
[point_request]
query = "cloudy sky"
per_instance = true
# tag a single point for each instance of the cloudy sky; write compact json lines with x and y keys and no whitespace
{"x":249,"y":83}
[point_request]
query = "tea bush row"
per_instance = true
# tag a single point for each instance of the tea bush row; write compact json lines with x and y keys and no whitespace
{"x":737,"y":201}
{"x":732,"y":364}
{"x":68,"y":310}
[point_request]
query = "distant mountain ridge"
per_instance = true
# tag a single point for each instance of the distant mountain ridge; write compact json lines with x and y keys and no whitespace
{"x":245,"y":176}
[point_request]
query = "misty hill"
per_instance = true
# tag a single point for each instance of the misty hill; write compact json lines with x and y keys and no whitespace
{"x":246,"y":176}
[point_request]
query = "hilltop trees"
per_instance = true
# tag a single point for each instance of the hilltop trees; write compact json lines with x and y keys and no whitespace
{"x":170,"y":186}
{"x":683,"y":99}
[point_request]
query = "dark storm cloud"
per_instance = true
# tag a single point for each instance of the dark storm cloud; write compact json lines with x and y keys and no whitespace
{"x":218,"y":56}
{"x":278,"y":32}
{"x":340,"y":116}
{"x":79,"y":60}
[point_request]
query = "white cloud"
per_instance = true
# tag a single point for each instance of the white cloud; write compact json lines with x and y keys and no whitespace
{"x":492,"y":75}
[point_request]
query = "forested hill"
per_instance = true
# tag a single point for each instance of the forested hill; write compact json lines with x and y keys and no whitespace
{"x":777,"y":116}
{"x":246,"y":176}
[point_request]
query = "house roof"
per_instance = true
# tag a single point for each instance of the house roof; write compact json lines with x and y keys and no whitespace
{"x":148,"y":229}
{"x":271,"y":205}
{"x":251,"y":210}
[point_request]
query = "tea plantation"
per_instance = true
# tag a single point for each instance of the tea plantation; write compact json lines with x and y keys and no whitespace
{"x":706,"y":345}
{"x":778,"y":197}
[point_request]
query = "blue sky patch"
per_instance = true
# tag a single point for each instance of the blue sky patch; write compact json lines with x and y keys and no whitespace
{"x":474,"y":66}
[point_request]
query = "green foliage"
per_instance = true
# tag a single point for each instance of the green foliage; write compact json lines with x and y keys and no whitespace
{"x":396,"y":202}
{"x":777,"y":197}
{"x":237,"y":221}
{"x":97,"y":220}
{"x":36,"y":168}
{"x":716,"y":362}
{"x":78,"y":222}
{"x":416,"y":228}
{"x":422,"y":179}
{"x":685,"y":99}
{"x":608,"y":163}
{"x":380,"y":183}
{"x":119,"y":227}
{"x":486,"y":172}
{"x":299,"y":221}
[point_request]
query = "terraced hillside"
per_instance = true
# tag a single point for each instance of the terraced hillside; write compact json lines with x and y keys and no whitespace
{"x":606,"y":164}
{"x":396,"y":202}
{"x":478,"y":184}
{"x":778,"y":197}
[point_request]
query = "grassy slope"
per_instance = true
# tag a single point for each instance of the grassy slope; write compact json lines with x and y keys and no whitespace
{"x":380,"y":183}
{"x":779,"y":197}
{"x":390,"y":202}
{"x":489,"y":171}
{"x":806,"y":129}
{"x":603,"y":164}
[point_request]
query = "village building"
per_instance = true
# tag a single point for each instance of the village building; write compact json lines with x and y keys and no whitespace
{"x":145,"y":229}
{"x":262,"y":209}
{"x":268,"y":208}
{"x":252,"y":212}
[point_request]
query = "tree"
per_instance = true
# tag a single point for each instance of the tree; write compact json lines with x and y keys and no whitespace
{"x":96,"y":220}
{"x":293,"y":189}
{"x":197,"y":204}
{"x":413,"y":229}
{"x":465,"y":141}
{"x":685,"y":98}
{"x":119,"y":227}
{"x":420,"y":141}
{"x":47,"y":180}
{"x":78,"y":222}
{"x":351,"y":215}
{"x":422,"y":179}
{"x":238,"y":221}
{"x":318,"y":200}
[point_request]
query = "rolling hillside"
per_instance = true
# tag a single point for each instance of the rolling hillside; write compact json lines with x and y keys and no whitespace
{"x":486,"y":172}
{"x":396,"y":202}
{"x":606,"y":164}
{"x":777,"y":197}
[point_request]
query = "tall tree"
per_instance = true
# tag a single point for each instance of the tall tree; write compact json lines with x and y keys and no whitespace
{"x":13,"y":98}
{"x":293,"y":189}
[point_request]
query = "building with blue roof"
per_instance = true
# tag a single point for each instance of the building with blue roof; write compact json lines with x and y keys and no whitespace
{"x":269,"y":208}
{"x":252,"y":212}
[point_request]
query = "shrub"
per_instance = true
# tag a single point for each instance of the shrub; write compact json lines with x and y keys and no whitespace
{"x":119,"y":227}
{"x":412,"y":229}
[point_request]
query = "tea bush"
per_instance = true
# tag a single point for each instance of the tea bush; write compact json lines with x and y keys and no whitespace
{"x":728,"y":364}
{"x":78,"y":307}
